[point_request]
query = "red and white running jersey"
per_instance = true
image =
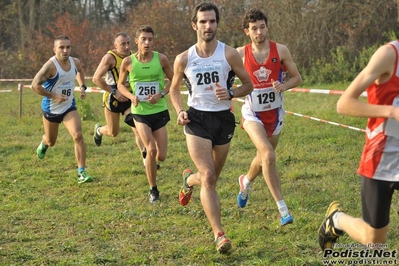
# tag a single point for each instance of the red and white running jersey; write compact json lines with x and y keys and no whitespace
{"x":380,"y":157}
{"x":264,"y":104}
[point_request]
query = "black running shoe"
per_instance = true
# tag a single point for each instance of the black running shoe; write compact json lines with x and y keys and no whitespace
{"x":96,"y":137}
{"x":328,"y":234}
{"x":153,"y":195}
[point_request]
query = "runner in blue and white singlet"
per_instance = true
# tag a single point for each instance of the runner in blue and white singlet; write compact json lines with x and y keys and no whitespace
{"x":55,"y":81}
{"x":62,"y":83}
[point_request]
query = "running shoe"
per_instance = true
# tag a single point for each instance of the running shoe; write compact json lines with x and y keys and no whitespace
{"x":328,"y":234}
{"x":41,"y":150}
{"x":286,"y":219}
{"x":83,"y":177}
{"x":186,"y":191}
{"x":153,"y":195}
{"x":223,"y":244}
{"x":242,"y":197}
{"x":96,"y":137}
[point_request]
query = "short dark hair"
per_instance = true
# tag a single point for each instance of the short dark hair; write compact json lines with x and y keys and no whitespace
{"x":252,"y":16}
{"x":61,"y":37}
{"x":206,"y":6}
{"x":121,"y":33}
{"x":144,"y":28}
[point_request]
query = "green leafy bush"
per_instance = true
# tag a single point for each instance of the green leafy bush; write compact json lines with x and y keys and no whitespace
{"x":343,"y":66}
{"x":85,"y":110}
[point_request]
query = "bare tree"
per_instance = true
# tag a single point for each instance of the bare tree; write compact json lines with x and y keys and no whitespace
{"x":312,"y":29}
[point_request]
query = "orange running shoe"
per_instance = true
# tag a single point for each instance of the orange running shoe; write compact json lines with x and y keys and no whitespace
{"x":223,"y":244}
{"x":186,"y":191}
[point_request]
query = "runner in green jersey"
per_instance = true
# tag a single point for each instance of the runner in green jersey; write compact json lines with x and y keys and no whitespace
{"x":147,"y":70}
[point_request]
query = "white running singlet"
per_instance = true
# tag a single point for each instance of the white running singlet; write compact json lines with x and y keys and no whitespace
{"x":200,"y":76}
{"x":62,"y":83}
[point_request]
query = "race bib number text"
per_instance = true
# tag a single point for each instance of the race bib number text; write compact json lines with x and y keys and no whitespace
{"x":144,"y":89}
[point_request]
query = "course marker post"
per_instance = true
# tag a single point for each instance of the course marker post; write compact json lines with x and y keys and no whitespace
{"x":20,"y":99}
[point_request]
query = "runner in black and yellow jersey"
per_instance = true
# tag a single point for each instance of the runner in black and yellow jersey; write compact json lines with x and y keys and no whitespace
{"x":113,"y":101}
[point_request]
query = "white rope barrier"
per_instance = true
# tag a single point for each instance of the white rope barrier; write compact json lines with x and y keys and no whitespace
{"x":99,"y":90}
{"x":304,"y":90}
{"x":19,"y":80}
{"x":337,"y":92}
{"x":89,"y":89}
{"x":16,"y":80}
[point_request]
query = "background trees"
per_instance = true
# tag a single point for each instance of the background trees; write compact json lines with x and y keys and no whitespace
{"x":330,"y":40}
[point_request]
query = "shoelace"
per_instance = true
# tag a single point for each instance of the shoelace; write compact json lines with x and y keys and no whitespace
{"x":220,"y":237}
{"x":187,"y":190}
{"x":82,"y":175}
{"x":244,"y":193}
{"x":219,"y":240}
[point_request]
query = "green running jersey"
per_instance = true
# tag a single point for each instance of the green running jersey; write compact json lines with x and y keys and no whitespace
{"x":147,"y":79}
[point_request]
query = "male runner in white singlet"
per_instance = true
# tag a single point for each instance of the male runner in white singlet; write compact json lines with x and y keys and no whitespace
{"x":208,"y":67}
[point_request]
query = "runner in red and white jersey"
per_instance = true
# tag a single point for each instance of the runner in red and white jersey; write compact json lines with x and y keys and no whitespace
{"x":379,"y":165}
{"x":264,"y":104}
{"x":380,"y":158}
{"x":266,"y":63}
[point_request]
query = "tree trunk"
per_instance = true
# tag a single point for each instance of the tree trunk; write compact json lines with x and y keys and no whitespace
{"x":21,"y":26}
{"x":397,"y":9}
{"x":32,"y":17}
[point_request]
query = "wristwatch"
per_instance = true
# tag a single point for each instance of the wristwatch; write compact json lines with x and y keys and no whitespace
{"x":231,"y":92}
{"x":162,"y":94}
{"x":113,"y":92}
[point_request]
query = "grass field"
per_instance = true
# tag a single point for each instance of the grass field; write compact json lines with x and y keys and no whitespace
{"x":47,"y":218}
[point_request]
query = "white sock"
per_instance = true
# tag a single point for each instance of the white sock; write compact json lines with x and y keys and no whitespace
{"x":335,"y":220}
{"x":98,"y":132}
{"x":246,"y":182}
{"x":282,"y":208}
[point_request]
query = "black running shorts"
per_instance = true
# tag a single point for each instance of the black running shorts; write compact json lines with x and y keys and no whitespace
{"x":154,"y":121}
{"x":113,"y":104}
{"x":216,"y":126}
{"x":57,"y":118}
{"x":376,"y":201}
